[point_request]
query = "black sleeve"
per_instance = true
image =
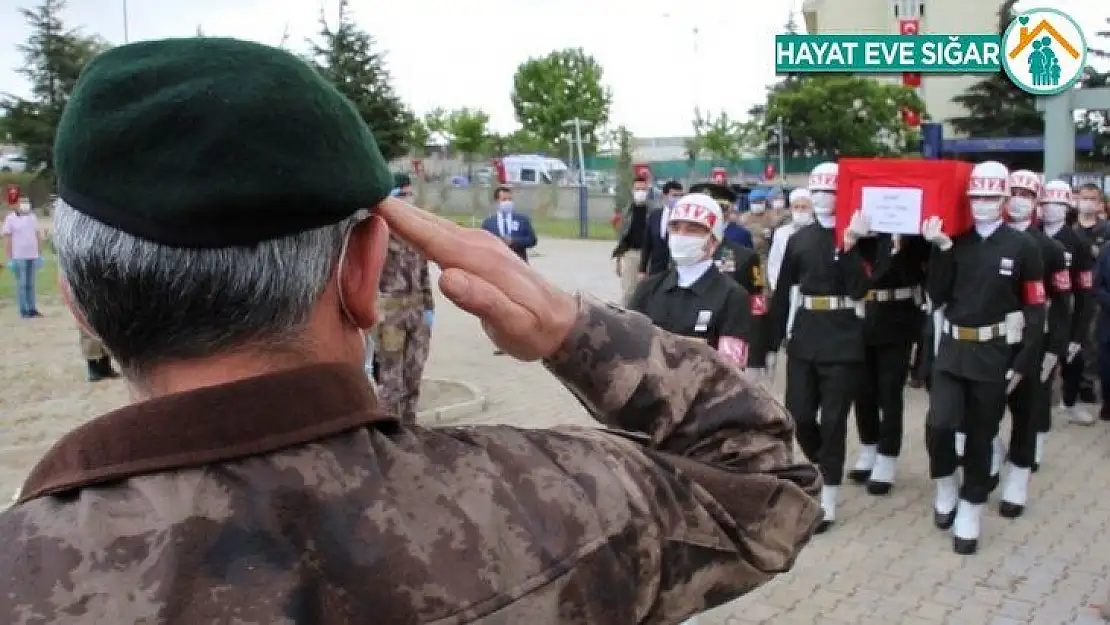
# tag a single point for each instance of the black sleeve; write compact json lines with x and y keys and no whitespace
{"x":623,"y":243}
{"x":942,"y":275}
{"x":855,"y":272}
{"x":1082,"y":279}
{"x":650,"y":241}
{"x":737,"y":321}
{"x":639,"y":297}
{"x":1060,"y":302}
{"x":1030,"y":276}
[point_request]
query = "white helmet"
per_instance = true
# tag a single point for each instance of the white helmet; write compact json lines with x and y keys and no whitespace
{"x":701,"y":209}
{"x":1057,"y":192}
{"x":823,"y":177}
{"x":989,"y":179}
{"x":1025,"y":179}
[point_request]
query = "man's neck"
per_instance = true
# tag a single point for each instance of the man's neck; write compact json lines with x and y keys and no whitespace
{"x":1054,"y":228}
{"x":689,"y":274}
{"x":987,"y":228}
{"x":826,"y":221}
{"x":1020,"y":225}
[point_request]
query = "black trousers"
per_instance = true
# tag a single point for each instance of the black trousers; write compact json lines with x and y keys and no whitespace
{"x":1030,"y":412}
{"x":829,"y":389}
{"x":978,"y":407}
{"x":881,"y":403}
{"x":1071,"y":376}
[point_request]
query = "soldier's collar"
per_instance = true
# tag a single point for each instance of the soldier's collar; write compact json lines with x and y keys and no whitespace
{"x":215,"y":424}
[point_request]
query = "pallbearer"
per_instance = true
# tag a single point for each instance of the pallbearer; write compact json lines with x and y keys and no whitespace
{"x":825,"y":348}
{"x":989,"y":286}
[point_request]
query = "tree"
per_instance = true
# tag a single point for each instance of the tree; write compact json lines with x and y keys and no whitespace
{"x":832,"y":114}
{"x":623,"y":196}
{"x":346,"y":56}
{"x":521,"y":141}
{"x":549,"y":91}
{"x":721,"y":137}
{"x":53,"y":57}
{"x":468,"y":131}
{"x":995,"y":106}
{"x":418,"y":136}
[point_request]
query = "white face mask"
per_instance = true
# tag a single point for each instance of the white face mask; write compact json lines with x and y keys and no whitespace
{"x":758,"y":208}
{"x":639,"y":196}
{"x":505,"y":206}
{"x":824,"y":202}
{"x":1021,"y":208}
{"x":1054,"y":213}
{"x":1088,"y":207}
{"x":687,"y":249}
{"x":986,"y":210}
{"x":801,"y":217}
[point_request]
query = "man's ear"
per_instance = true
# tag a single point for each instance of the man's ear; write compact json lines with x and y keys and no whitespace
{"x":67,"y":299}
{"x":361,"y":272}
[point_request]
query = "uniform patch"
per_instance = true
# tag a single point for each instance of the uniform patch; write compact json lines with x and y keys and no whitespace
{"x":1006,"y":267}
{"x":734,"y":350}
{"x":759,"y":304}
{"x":1067,"y":259}
{"x":702,"y":323}
{"x":1086,"y":279}
{"x":1061,"y":281}
{"x":1033,"y":292}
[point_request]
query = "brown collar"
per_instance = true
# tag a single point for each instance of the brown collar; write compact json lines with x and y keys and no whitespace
{"x":214,"y":424}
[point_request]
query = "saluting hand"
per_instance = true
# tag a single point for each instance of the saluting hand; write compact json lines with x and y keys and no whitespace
{"x":523,"y":314}
{"x":932,"y":230}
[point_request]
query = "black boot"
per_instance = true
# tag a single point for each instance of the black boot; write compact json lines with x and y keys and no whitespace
{"x":92,"y":373}
{"x":106,"y":369}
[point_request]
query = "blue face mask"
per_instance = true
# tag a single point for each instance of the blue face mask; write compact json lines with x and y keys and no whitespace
{"x":506,"y":206}
{"x":671,"y":201}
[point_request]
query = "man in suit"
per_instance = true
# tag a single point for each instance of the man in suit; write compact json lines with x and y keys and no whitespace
{"x":655,"y":257}
{"x":512,"y":228}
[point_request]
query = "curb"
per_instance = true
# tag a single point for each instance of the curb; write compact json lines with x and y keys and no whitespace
{"x":452,"y":413}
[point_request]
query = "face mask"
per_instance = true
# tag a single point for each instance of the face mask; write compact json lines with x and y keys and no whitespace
{"x":1054,"y":213}
{"x":986,"y":211}
{"x":1088,"y":207}
{"x":801,"y":217}
{"x":824,"y":202}
{"x":639,"y":196}
{"x":506,"y":206}
{"x":758,"y":208}
{"x":1021,"y":208}
{"x":778,"y":204}
{"x":671,"y":201}
{"x":686,"y":249}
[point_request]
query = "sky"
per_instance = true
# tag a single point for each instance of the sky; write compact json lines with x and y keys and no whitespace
{"x":660,"y":57}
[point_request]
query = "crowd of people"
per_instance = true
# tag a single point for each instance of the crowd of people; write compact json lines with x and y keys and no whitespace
{"x":1000,"y":317}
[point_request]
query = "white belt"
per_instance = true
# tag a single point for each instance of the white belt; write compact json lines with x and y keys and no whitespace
{"x":892,"y":295}
{"x":981,"y":334}
{"x":827,"y":302}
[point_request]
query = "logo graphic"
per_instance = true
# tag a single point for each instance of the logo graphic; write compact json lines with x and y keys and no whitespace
{"x":1044,"y":52}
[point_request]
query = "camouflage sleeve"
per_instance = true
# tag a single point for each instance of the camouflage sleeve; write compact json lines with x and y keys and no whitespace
{"x":426,"y":284}
{"x":716,"y":447}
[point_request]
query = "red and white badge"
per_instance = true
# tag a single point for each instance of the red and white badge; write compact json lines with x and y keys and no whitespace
{"x":1033,"y":292}
{"x":1086,"y":279}
{"x":1061,"y":281}
{"x":759,"y":304}
{"x":734,"y":350}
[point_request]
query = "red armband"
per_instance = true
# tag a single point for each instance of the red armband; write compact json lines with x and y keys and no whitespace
{"x":1061,"y":281}
{"x":1033,"y":292}
{"x":759,"y":304}
{"x":1087,"y":279}
{"x":735,"y":350}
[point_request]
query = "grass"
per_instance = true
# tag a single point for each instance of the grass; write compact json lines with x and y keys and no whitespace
{"x":548,"y":228}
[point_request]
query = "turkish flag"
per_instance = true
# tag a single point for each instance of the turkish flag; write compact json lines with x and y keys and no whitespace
{"x":13,"y":194}
{"x":769,"y":171}
{"x":911,"y":79}
{"x":911,"y":117}
{"x":909,"y":27}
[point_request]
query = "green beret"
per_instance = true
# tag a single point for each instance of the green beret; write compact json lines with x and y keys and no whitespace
{"x":401,"y":180}
{"x":208,"y":142}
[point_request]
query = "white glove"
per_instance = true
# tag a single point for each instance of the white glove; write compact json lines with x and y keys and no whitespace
{"x":933,"y":232}
{"x":770,"y":361}
{"x":1014,"y":378}
{"x":858,"y":228}
{"x":1073,"y":351}
{"x":1048,"y":365}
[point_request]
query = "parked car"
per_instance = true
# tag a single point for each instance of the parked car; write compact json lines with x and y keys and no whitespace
{"x":13,"y":163}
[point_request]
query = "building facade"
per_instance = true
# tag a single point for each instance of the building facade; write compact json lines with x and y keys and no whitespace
{"x":934,"y":16}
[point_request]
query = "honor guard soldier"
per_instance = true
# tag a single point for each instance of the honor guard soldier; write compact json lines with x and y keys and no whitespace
{"x":1031,"y":402}
{"x":742,"y":264}
{"x":988,"y":284}
{"x":1055,"y":201}
{"x":824,"y":334}
{"x":694,"y":298}
{"x":891,"y":327}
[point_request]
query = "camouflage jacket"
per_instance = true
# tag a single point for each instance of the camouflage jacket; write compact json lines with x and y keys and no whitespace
{"x":405,"y":274}
{"x":289,"y":498}
{"x":762,"y":226}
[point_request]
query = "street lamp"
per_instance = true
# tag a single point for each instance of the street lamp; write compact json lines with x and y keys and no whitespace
{"x":126,"y":33}
{"x":583,"y":194}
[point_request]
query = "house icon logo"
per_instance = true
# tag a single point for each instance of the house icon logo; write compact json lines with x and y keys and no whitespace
{"x":1045,"y":52}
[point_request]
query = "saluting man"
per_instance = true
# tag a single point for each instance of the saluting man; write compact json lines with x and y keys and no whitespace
{"x":825,"y":347}
{"x":694,"y":298}
{"x":1031,"y":402}
{"x":989,"y":286}
{"x":892,"y":324}
{"x":1056,"y":199}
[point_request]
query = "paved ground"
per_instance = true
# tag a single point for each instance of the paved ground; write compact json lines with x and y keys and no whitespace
{"x":883,"y":563}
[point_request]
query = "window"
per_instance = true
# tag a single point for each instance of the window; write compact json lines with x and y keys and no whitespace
{"x":527,"y":175}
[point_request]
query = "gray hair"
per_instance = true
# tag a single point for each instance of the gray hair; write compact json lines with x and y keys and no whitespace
{"x":150,"y":303}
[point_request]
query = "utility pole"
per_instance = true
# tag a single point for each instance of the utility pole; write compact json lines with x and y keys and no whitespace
{"x":126,"y":29}
{"x":583,"y":192}
{"x":781,"y":131}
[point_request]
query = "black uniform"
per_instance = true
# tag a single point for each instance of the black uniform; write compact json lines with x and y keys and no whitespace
{"x":825,"y":348}
{"x":655,"y":256}
{"x":742,"y":264}
{"x":1031,"y":402}
{"x":892,"y":324}
{"x":979,"y":282}
{"x":1083,"y":303}
{"x":711,"y":308}
{"x":1094,"y":237}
